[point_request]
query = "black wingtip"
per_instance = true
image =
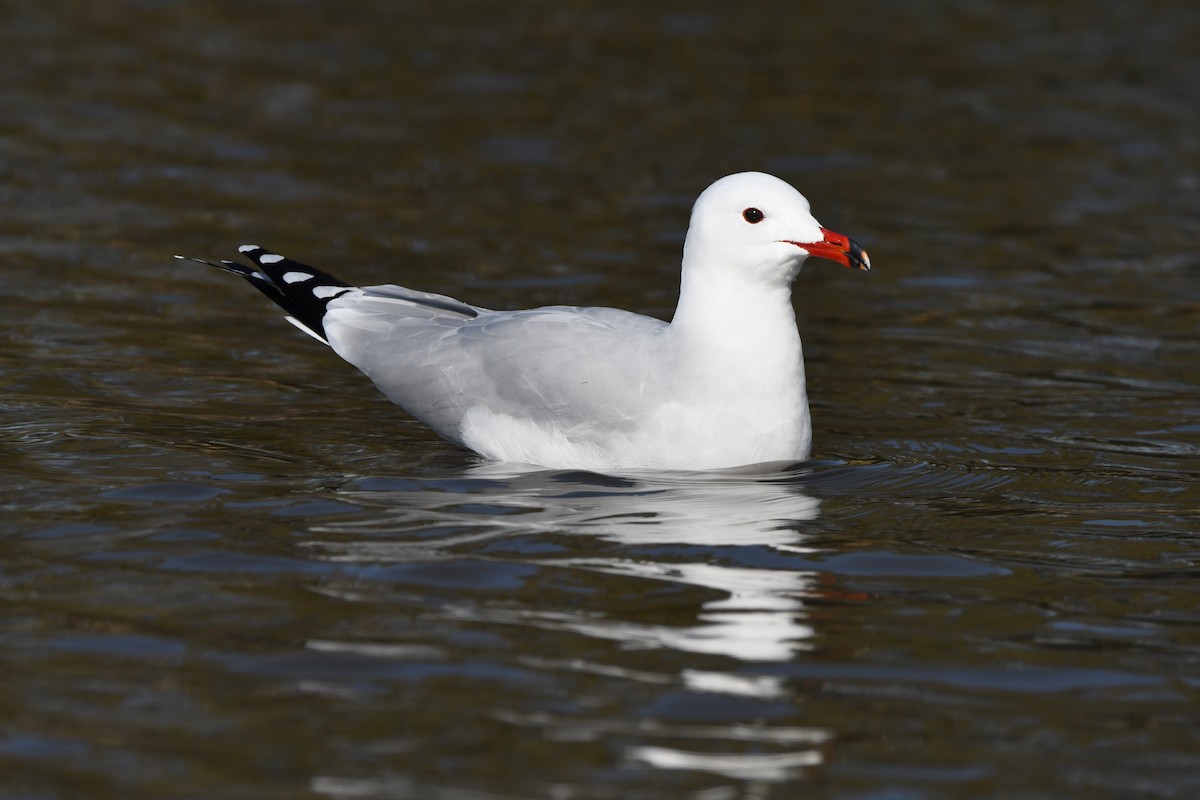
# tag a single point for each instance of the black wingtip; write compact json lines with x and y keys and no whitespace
{"x":302,"y":291}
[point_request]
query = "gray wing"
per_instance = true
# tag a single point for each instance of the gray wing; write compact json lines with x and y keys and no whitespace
{"x":438,"y":358}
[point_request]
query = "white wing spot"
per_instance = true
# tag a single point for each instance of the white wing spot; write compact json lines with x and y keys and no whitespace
{"x":270,"y":258}
{"x":296,"y":277}
{"x":246,"y":248}
{"x":322,"y":292}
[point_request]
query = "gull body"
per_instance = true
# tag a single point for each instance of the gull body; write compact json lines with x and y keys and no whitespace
{"x":602,"y":389}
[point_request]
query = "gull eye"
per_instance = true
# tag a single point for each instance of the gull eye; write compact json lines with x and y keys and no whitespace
{"x":752,"y":215}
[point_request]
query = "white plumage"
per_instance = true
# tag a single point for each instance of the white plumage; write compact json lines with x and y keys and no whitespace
{"x":598,"y":388}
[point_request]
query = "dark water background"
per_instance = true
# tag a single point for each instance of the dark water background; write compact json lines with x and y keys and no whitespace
{"x":229,"y":569}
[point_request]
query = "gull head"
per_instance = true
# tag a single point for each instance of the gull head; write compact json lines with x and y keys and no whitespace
{"x":758,"y":227}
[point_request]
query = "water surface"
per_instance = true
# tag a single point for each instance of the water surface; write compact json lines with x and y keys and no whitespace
{"x":231,"y":569}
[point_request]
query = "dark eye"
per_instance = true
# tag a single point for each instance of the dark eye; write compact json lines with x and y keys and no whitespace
{"x":752,"y":215}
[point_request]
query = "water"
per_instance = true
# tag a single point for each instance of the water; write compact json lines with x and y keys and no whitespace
{"x":230,"y":569}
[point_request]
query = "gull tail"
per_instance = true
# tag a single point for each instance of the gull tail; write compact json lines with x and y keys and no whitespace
{"x":301,"y":290}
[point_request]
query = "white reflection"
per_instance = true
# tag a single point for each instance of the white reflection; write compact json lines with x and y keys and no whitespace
{"x":759,"y":618}
{"x":703,"y":508}
{"x":761,"y":686}
{"x":755,"y":614}
{"x":773,"y":767}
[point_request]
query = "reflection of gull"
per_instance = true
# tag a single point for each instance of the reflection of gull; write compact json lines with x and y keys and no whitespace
{"x":733,"y":539}
{"x":757,"y":615}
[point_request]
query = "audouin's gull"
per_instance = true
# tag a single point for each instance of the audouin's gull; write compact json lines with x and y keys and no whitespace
{"x":721,"y":385}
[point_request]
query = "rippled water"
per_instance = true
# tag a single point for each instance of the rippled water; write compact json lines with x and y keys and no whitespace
{"x":230,"y":569}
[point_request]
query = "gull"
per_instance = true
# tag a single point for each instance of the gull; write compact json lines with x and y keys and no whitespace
{"x":564,"y":387}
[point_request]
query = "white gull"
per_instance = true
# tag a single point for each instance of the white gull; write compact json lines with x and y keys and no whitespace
{"x":721,"y":385}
